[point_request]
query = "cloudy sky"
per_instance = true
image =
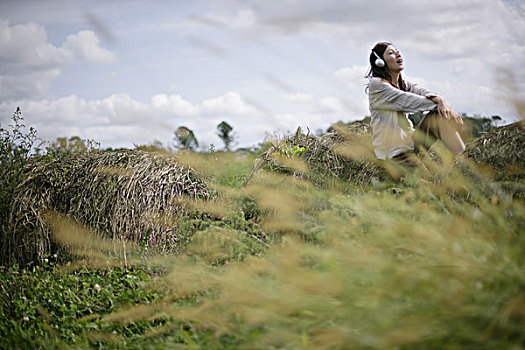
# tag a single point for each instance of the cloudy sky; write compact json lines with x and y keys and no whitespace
{"x":130,"y":72}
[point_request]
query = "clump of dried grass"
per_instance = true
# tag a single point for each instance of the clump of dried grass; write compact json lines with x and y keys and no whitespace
{"x":127,"y":195}
{"x":501,"y":151}
{"x":345,"y":153}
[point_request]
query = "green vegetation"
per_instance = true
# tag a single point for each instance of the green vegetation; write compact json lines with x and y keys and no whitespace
{"x":224,"y":131}
{"x":63,"y":146}
{"x":16,"y":145}
{"x":185,"y":138}
{"x":47,"y":307}
{"x":427,"y":262}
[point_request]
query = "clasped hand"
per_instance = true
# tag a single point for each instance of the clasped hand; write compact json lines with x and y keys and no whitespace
{"x":446,"y":111}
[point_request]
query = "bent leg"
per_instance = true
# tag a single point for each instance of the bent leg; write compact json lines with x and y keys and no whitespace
{"x":434,"y":127}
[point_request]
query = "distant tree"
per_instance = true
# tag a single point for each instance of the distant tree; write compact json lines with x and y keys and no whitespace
{"x":495,"y":119}
{"x":185,"y":138}
{"x":226,"y":135}
{"x":155,"y":146}
{"x":63,"y":146}
{"x":475,"y":126}
{"x":73,"y":144}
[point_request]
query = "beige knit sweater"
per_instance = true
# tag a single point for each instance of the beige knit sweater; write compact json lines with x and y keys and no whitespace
{"x":389,"y":108}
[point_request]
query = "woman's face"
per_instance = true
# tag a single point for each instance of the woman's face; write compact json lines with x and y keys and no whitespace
{"x":393,"y":59}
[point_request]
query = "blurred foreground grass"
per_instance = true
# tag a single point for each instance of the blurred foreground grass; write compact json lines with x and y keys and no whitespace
{"x":283,"y":264}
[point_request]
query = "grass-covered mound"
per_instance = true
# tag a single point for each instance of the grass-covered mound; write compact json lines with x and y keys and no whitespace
{"x":127,"y":195}
{"x":345,"y":153}
{"x":502,"y":150}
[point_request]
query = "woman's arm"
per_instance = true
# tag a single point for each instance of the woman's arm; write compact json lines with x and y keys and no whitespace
{"x":442,"y":107}
{"x":419,"y":90}
{"x":385,"y":96}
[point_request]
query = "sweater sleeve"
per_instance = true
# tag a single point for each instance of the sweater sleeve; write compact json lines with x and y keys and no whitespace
{"x":419,"y":90}
{"x":384,"y":96}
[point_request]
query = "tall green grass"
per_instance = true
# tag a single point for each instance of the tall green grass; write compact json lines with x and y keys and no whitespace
{"x":417,"y":264}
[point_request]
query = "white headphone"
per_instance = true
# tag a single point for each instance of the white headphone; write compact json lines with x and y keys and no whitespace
{"x":379,"y":62}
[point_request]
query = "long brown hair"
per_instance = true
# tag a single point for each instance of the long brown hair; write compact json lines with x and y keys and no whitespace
{"x":382,"y":72}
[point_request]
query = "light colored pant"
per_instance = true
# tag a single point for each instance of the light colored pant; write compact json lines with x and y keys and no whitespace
{"x":434,"y":127}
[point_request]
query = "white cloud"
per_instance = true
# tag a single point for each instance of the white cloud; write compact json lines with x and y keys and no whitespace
{"x":482,"y":29}
{"x":354,"y":104}
{"x":468,"y":65}
{"x":85,"y":46}
{"x":229,"y":104}
{"x":333,"y":103}
{"x":416,"y":80}
{"x":174,"y":104}
{"x":123,"y":109}
{"x":352,"y":77}
{"x":298,"y":97}
{"x":345,"y":108}
{"x":120,"y":120}
{"x":75,"y":116}
{"x":240,"y":18}
{"x":331,"y":16}
{"x":289,"y":122}
{"x":25,"y":47}
{"x":475,"y":99}
{"x":29,"y":63}
{"x":449,"y":39}
{"x":244,"y":18}
{"x":27,"y":84}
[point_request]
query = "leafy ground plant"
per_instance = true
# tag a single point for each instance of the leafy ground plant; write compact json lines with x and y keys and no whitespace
{"x":44,"y":306}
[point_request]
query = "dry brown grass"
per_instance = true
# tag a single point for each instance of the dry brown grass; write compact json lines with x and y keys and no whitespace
{"x":345,"y":153}
{"x":127,"y":195}
{"x":501,"y":151}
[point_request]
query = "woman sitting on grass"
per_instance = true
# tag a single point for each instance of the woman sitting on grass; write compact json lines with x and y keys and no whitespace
{"x":391,"y":98}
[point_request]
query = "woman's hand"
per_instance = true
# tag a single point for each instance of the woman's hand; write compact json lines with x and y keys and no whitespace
{"x":446,"y":111}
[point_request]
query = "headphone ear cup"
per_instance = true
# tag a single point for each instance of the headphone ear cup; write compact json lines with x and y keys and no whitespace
{"x":380,"y":63}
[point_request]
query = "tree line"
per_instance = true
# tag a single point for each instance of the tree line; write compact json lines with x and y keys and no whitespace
{"x":185,"y":138}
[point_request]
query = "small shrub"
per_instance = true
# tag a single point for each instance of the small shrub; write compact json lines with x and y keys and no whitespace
{"x":17,"y":145}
